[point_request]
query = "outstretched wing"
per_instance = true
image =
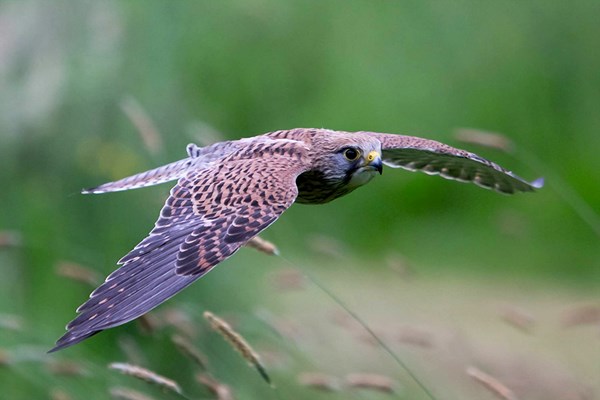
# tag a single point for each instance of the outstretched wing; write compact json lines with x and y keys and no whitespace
{"x":208,"y":216}
{"x":435,"y":158}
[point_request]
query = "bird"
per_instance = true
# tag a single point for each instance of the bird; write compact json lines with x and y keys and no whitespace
{"x":228,"y":192}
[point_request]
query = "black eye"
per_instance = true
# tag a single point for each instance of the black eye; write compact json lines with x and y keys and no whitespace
{"x":351,"y":154}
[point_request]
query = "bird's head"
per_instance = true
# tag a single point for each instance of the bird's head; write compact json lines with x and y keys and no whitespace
{"x":348,"y":159}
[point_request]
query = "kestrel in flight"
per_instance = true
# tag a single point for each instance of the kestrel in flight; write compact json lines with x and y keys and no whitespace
{"x":228,"y":192}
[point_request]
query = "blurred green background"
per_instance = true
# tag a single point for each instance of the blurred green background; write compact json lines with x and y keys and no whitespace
{"x":448,"y":275}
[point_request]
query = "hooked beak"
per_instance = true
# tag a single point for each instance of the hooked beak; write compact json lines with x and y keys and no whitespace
{"x":373,"y":160}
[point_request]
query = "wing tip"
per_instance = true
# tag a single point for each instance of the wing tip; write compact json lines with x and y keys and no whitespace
{"x":69,"y":339}
{"x":538,"y":183}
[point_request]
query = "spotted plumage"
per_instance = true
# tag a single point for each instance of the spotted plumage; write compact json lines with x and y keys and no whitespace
{"x":228,"y":192}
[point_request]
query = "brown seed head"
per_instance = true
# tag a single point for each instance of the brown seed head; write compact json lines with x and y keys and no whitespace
{"x":486,"y":139}
{"x":263,"y":246}
{"x":319,"y":381}
{"x":122,"y":393}
{"x":377,"y":382}
{"x":146,"y":376}
{"x":222,"y":391}
{"x":238,"y":343}
{"x":77,"y":273}
{"x":492,"y":384}
{"x":187,"y":349}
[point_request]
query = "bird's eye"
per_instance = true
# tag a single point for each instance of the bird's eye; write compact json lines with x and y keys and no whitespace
{"x":351,"y":154}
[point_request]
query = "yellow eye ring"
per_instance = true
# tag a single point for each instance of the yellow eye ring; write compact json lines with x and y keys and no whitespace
{"x":351,"y":154}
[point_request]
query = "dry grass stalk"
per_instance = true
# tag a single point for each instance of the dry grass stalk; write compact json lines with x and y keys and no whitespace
{"x":288,"y":279}
{"x":77,"y":273}
{"x":238,"y":343}
{"x":9,"y":239}
{"x":284,"y":328}
{"x":319,"y":381}
{"x":180,"y":321}
{"x":188,"y":350}
{"x":123,"y":393}
{"x":512,"y":223}
{"x":222,"y":391}
{"x":148,"y":323}
{"x":66,"y":368}
{"x":327,"y":246}
{"x":398,"y":263}
{"x":274,"y":358}
{"x":581,"y":315}
{"x":263,"y":246}
{"x":491,"y":383}
{"x":11,"y":322}
{"x":143,"y":123}
{"x":59,"y":394}
{"x":204,"y":134}
{"x":518,"y":318}
{"x":377,"y":382}
{"x":416,"y":337}
{"x":342,"y":319}
{"x":486,"y":139}
{"x":147,"y":376}
{"x":367,"y":338}
{"x":132,"y":350}
{"x":4,"y":358}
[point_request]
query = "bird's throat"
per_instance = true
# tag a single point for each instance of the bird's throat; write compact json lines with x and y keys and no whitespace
{"x":361,"y":177}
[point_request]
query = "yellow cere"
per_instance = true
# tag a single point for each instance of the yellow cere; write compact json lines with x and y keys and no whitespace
{"x":372,"y":155}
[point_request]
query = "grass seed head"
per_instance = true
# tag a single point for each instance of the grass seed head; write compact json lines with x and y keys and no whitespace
{"x":376,"y":382}
{"x":132,"y":350}
{"x":492,"y":384}
{"x":416,"y":337}
{"x":518,"y":318}
{"x":187,"y":349}
{"x":399,"y":264}
{"x":144,"y":125}
{"x":148,"y":323}
{"x":263,"y":246}
{"x":146,"y":376}
{"x":222,"y":391}
{"x":122,"y":393}
{"x":59,"y":394}
{"x":288,"y":279}
{"x":588,"y":314}
{"x":77,"y":273}
{"x":180,"y":320}
{"x":4,"y":358}
{"x":486,"y":139}
{"x":10,"y":239}
{"x":327,"y":246}
{"x":238,"y":343}
{"x":66,"y":368}
{"x":319,"y":381}
{"x":11,"y":322}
